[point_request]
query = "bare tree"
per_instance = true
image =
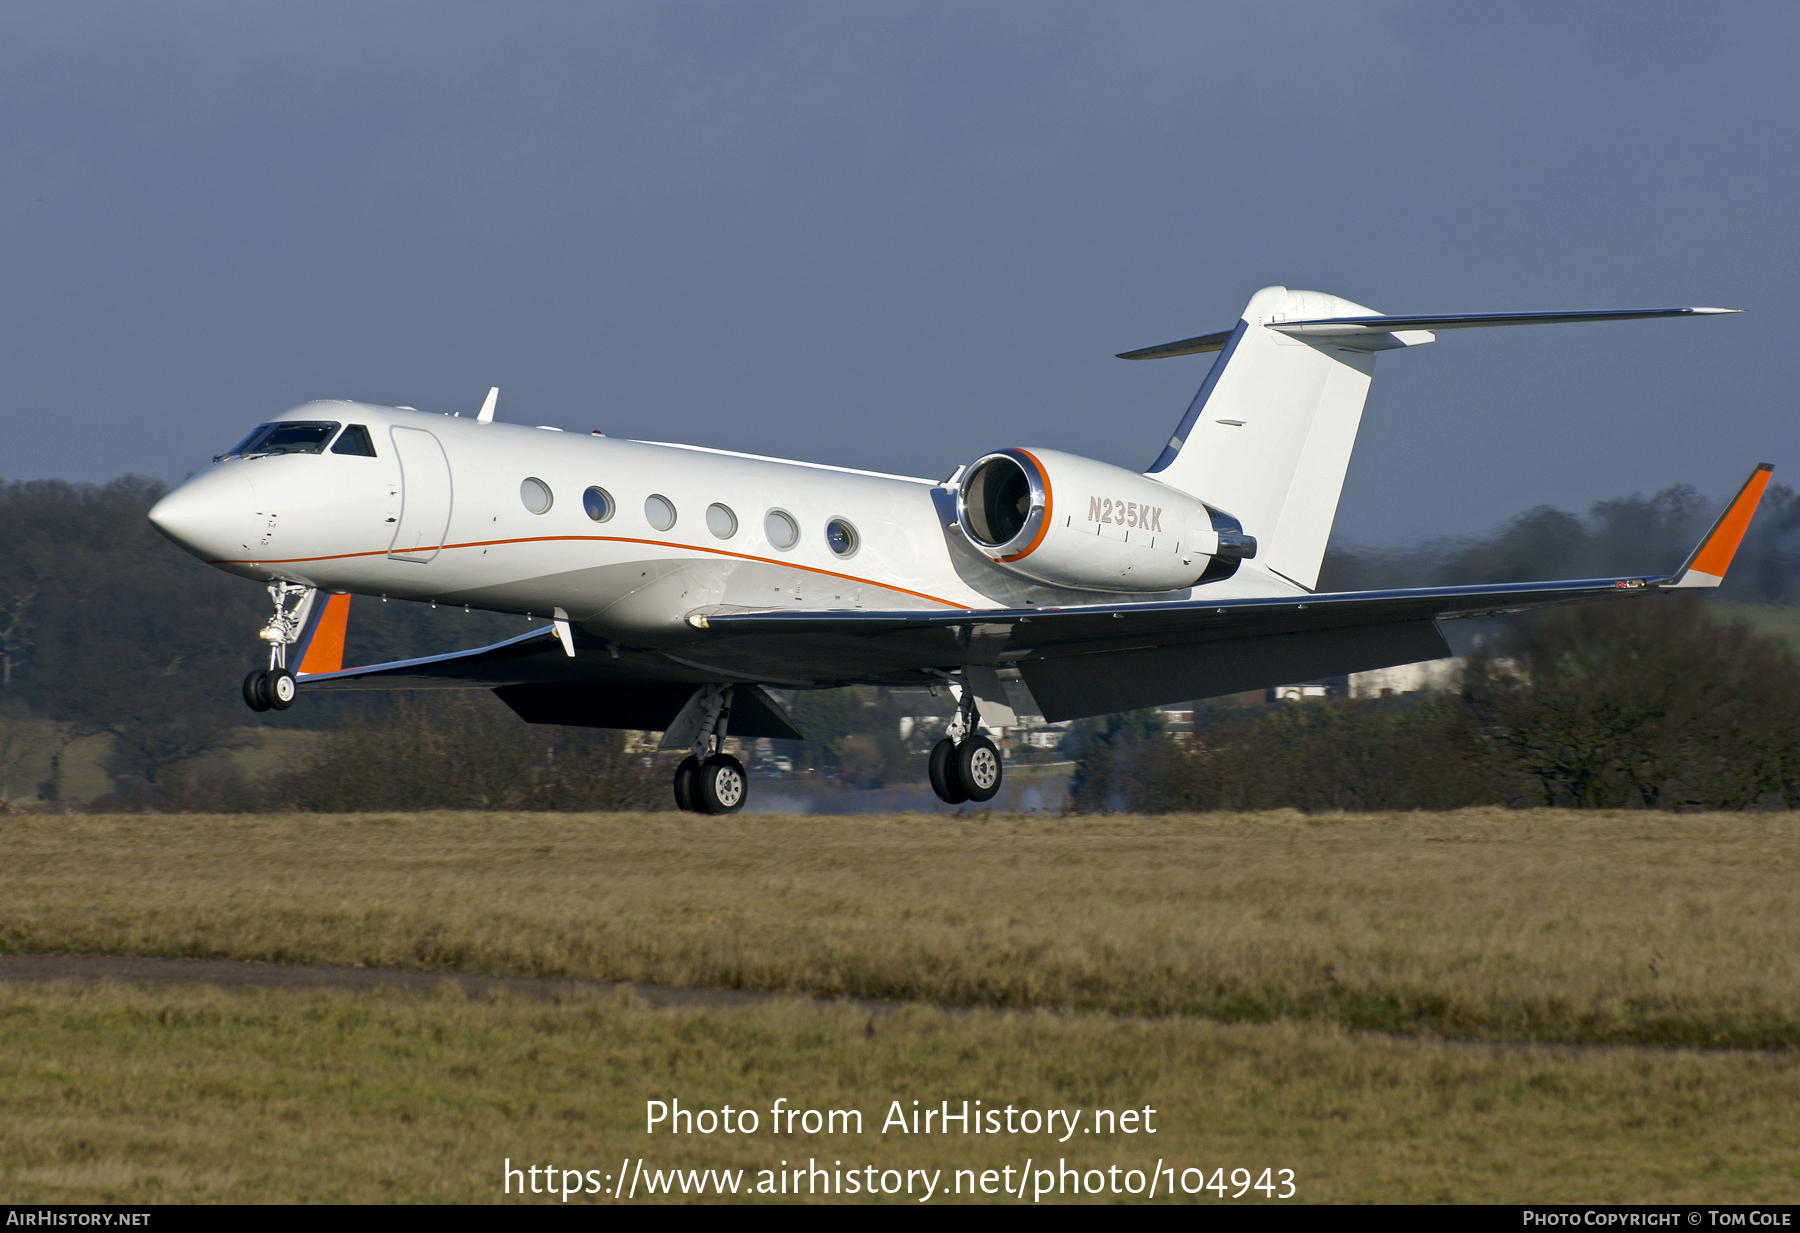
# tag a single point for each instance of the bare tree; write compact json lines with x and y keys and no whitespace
{"x":14,"y":632}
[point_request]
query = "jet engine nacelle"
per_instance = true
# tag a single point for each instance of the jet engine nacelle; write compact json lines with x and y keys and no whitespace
{"x":1074,"y":522}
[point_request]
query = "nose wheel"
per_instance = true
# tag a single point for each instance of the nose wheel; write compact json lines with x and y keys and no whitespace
{"x":267,"y":689}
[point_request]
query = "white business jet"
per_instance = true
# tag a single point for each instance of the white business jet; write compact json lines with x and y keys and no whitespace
{"x":676,"y":582}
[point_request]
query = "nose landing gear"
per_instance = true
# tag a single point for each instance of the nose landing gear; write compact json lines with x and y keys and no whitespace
{"x":274,"y":687}
{"x":714,"y":782}
{"x":965,"y":765}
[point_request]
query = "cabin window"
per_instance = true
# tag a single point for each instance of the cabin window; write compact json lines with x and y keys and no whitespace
{"x":354,"y":440}
{"x":659,"y":511}
{"x":535,"y":493}
{"x":721,"y":521}
{"x":780,"y":527}
{"x":841,"y":537}
{"x":599,"y":504}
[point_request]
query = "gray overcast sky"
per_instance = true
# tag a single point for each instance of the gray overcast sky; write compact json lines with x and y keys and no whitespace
{"x":896,"y":235}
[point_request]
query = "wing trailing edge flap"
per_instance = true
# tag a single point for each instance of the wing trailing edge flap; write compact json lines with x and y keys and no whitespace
{"x":1078,"y":685}
{"x":650,"y":706}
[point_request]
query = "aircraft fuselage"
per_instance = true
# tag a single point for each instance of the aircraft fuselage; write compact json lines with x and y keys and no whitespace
{"x":440,"y":512}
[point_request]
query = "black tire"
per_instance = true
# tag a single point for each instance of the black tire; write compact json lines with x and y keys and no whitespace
{"x":253,"y":694}
{"x":684,"y":784}
{"x":978,"y":767}
{"x":721,"y":786}
{"x":942,"y":769}
{"x":280,"y":688}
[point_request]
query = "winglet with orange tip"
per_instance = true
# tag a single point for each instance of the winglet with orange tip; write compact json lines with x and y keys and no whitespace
{"x":323,"y":648}
{"x":1706,"y":565}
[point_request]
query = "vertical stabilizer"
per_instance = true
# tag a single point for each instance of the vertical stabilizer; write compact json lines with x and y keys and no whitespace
{"x":1269,"y":435}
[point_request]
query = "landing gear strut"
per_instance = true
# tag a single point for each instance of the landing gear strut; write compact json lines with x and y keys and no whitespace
{"x":275,"y":686}
{"x":965,"y":765}
{"x":709,"y":780}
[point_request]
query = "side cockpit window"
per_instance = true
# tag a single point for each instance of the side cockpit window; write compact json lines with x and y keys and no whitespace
{"x":290,"y":437}
{"x":354,"y":439}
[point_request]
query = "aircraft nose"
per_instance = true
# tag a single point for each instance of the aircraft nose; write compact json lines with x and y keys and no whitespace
{"x":209,"y":514}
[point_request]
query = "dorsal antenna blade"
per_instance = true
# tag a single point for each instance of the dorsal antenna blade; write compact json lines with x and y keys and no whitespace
{"x":487,"y":408}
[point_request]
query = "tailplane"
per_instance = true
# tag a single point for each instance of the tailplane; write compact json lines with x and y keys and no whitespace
{"x":1268,"y":437}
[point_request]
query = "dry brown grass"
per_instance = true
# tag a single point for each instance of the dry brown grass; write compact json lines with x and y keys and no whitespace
{"x":175,"y":1095}
{"x":1624,"y":927}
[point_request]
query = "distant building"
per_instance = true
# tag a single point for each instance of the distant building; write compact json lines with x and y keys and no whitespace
{"x":1432,"y":676}
{"x":1305,"y":691}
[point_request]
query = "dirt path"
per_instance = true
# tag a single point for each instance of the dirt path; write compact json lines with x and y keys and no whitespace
{"x":242,"y":973}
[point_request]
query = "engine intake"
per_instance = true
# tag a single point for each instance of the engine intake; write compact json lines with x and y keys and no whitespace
{"x":1003,"y":502}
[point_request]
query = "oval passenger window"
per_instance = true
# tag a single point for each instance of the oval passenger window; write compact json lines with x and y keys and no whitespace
{"x":780,"y":527}
{"x":535,"y":493}
{"x":660,"y":512}
{"x":721,"y":521}
{"x":841,"y":536}
{"x":599,"y":504}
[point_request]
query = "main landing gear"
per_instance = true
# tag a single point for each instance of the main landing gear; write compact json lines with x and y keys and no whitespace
{"x":711,"y":782}
{"x":274,"y":687}
{"x":965,"y":765}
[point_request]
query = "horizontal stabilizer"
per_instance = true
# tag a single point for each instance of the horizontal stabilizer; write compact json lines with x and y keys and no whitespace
{"x":1187,"y":346}
{"x":1350,"y":326}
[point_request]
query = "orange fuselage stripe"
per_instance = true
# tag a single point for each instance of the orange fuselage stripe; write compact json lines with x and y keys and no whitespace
{"x":1715,"y":555}
{"x":608,"y":539}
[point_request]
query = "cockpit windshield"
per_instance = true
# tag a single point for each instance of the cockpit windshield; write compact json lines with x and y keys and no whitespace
{"x":287,"y":437}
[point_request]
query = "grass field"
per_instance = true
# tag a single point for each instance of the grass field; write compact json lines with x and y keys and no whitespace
{"x":1217,"y":967}
{"x":1486,"y":924}
{"x":172,"y":1095}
